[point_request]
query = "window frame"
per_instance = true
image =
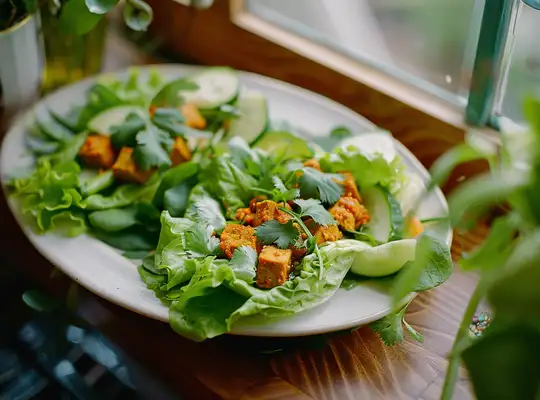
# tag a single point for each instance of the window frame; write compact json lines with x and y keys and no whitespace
{"x":489,"y":66}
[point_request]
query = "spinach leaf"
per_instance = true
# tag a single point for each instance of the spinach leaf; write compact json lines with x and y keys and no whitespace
{"x":172,"y":178}
{"x":125,"y":133}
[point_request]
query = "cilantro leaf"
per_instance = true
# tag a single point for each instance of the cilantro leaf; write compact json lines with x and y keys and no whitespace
{"x":283,"y":235}
{"x":124,"y":134}
{"x":170,"y":120}
{"x":281,"y":193}
{"x":170,"y":95}
{"x":244,"y":263}
{"x":317,"y":184}
{"x":207,"y":211}
{"x":200,"y":242}
{"x":314,"y":209}
{"x":149,"y":151}
{"x":340,"y":132}
{"x":390,"y":328}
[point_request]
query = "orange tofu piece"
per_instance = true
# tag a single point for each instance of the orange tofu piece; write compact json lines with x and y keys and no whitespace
{"x":415,"y":227}
{"x":360,"y":215}
{"x":330,"y":233}
{"x":274,"y":267}
{"x":268,"y":210}
{"x":235,"y":236}
{"x":97,"y":152}
{"x":349,"y":186}
{"x":180,"y":152}
{"x":126,"y":169}
{"x":245,"y":215}
{"x":193,"y":117}
{"x":313,"y":163}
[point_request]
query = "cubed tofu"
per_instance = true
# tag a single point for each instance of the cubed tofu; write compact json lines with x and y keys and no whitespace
{"x":126,"y":169}
{"x":343,"y":217}
{"x":245,"y":215}
{"x":313,"y":163}
{"x":323,"y":234}
{"x":350,"y":188}
{"x":180,"y":152}
{"x":193,"y":117}
{"x":268,"y":210}
{"x":359,"y":212}
{"x":274,"y":267}
{"x":97,"y":152}
{"x":235,"y":236}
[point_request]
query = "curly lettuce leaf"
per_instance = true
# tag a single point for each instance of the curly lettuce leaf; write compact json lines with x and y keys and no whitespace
{"x":50,"y":197}
{"x":367,"y":170}
{"x":226,"y":181}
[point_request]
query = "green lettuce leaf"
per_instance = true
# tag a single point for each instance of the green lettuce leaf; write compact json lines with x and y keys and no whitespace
{"x":123,"y":196}
{"x":50,"y":198}
{"x":367,"y":171}
{"x":226,"y":181}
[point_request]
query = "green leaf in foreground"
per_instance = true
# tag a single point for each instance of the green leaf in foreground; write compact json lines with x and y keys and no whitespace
{"x":283,"y":235}
{"x":505,"y":364}
{"x":314,"y":209}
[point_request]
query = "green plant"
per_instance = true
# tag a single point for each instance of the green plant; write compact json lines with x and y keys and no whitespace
{"x":504,"y":362}
{"x":77,"y":16}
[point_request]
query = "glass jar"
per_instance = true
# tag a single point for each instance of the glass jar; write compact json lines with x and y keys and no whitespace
{"x":69,"y":57}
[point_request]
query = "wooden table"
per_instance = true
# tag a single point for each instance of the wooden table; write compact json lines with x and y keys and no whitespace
{"x":351,"y":366}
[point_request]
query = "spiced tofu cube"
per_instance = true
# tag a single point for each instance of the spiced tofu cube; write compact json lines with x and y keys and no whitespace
{"x":323,"y":234}
{"x":126,"y":169}
{"x":193,"y":117}
{"x":97,"y":152}
{"x":274,"y":267}
{"x":235,"y":236}
{"x":350,"y":188}
{"x":268,"y":210}
{"x":180,"y":152}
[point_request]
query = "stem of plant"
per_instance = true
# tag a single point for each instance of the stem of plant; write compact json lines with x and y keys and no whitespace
{"x":268,"y":192}
{"x":317,"y":251}
{"x":453,"y":363}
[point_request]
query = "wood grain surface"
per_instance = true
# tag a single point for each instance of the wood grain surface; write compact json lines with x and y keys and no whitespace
{"x":346,"y":366}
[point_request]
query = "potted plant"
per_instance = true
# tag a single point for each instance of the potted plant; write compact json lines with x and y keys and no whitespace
{"x":20,"y":62}
{"x":503,"y":362}
{"x":73,"y":38}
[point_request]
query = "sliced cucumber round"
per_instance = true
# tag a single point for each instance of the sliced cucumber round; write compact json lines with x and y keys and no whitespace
{"x":217,"y":86}
{"x":253,"y":120}
{"x":102,"y":122}
{"x":386,"y":223}
{"x":284,"y":143}
{"x":383,"y":260}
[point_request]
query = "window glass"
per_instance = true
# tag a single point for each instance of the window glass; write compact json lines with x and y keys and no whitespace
{"x":523,"y":65}
{"x":430,"y":43}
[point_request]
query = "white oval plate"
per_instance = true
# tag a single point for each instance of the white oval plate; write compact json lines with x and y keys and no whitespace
{"x":105,"y":272}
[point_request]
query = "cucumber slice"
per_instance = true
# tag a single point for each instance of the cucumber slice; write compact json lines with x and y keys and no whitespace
{"x":386,"y":222}
{"x":284,"y":143}
{"x":383,"y":260}
{"x":253,"y":119}
{"x":217,"y":86}
{"x":102,"y":122}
